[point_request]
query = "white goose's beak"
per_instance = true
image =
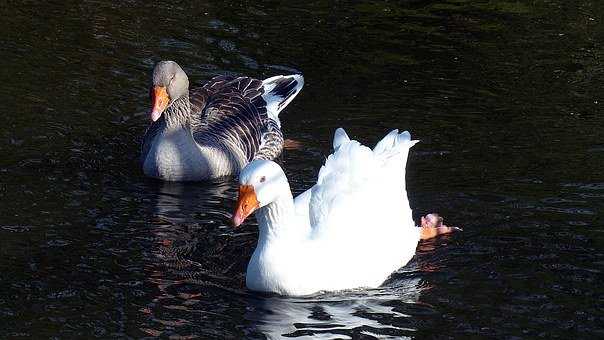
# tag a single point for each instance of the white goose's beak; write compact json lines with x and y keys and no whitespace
{"x":246,"y":204}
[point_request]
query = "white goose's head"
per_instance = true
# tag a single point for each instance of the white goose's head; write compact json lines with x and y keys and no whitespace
{"x":170,"y":83}
{"x":261,"y":182}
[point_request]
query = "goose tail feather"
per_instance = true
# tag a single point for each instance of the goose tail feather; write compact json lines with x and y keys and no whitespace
{"x":279,"y":91}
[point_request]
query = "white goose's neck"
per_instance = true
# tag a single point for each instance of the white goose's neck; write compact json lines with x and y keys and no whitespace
{"x":277,"y":220}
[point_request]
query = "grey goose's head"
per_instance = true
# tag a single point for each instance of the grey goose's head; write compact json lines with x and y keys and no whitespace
{"x":170,"y":83}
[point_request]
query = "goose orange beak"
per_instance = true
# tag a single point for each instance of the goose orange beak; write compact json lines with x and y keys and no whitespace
{"x":160,"y":100}
{"x":246,"y":204}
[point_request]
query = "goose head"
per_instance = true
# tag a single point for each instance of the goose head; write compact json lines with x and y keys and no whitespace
{"x":170,"y":83}
{"x":261,"y":183}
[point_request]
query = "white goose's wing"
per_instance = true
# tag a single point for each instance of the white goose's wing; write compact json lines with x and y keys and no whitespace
{"x":302,"y":201}
{"x":361,"y":190}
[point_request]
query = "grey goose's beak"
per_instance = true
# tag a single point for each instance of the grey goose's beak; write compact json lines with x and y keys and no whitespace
{"x":160,"y":100}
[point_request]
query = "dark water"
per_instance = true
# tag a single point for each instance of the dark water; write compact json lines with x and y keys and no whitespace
{"x":506,"y":97}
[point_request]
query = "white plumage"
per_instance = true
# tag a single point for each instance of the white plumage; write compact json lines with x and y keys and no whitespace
{"x":352,"y":229}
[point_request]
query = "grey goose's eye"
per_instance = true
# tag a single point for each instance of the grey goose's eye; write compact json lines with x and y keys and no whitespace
{"x":262,"y":179}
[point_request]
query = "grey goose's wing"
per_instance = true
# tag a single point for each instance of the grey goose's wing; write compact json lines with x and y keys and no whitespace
{"x":232,"y":110}
{"x":278,"y":92}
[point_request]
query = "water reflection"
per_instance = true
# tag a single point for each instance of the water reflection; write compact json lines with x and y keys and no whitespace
{"x":379,"y":312}
{"x":190,"y":202}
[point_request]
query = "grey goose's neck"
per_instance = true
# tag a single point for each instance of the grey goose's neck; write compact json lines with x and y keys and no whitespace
{"x":178,"y":113}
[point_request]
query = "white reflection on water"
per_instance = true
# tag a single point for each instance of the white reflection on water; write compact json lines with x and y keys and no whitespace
{"x":336,"y":315}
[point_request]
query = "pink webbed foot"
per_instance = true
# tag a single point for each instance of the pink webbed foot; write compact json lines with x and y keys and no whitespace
{"x":432,"y":226}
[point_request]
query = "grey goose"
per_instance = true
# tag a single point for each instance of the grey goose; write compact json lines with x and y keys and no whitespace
{"x":216,"y":129}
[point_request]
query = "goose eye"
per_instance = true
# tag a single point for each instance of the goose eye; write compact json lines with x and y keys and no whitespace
{"x":262,"y":179}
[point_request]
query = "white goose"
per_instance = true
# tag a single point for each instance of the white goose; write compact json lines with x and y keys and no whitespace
{"x":352,"y":229}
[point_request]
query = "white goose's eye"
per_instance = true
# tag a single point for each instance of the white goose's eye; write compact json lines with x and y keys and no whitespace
{"x":262,"y":179}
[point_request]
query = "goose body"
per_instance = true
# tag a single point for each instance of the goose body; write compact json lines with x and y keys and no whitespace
{"x":353,"y":228}
{"x":214,"y":130}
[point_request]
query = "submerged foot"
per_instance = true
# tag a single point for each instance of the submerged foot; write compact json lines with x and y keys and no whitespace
{"x":292,"y":144}
{"x":432,"y":226}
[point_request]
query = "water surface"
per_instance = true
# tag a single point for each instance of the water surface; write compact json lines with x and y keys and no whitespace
{"x":505,"y":96}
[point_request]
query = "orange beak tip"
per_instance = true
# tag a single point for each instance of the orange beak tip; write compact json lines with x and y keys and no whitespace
{"x":236,"y":220}
{"x":155,"y":115}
